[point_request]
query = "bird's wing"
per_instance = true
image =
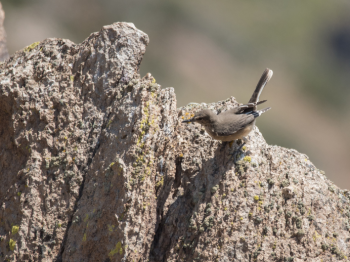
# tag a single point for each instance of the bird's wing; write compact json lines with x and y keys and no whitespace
{"x":244,"y":108}
{"x":229,"y":124}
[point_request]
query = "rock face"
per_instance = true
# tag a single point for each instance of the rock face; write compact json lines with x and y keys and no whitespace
{"x":3,"y":50}
{"x":95,"y":165}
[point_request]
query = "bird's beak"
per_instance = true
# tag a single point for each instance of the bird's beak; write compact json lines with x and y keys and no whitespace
{"x":189,"y":120}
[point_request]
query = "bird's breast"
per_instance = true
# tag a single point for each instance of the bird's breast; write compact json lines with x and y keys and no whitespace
{"x":236,"y":134}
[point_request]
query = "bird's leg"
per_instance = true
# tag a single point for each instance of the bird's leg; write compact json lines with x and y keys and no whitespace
{"x":245,"y":140}
{"x":238,"y":150}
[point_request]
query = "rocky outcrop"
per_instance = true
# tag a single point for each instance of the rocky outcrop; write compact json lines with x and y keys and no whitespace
{"x":95,"y":165}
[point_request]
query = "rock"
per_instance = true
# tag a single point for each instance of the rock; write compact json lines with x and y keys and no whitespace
{"x":97,"y":166}
{"x":288,"y":192}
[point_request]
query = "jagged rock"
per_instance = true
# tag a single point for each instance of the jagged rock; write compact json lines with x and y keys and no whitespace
{"x":288,"y":192}
{"x":96,"y":165}
{"x":3,"y":49}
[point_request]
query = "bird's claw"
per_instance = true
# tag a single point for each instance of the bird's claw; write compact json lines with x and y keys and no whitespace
{"x":235,"y":153}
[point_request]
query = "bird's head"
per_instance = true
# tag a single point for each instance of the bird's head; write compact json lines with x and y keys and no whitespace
{"x":203,"y":117}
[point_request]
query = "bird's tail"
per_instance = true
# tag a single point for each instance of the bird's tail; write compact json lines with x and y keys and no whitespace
{"x":250,"y":105}
{"x":263,"y":110}
{"x":266,"y":76}
{"x":259,"y":112}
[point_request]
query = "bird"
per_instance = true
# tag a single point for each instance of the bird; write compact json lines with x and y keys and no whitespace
{"x":237,"y":122}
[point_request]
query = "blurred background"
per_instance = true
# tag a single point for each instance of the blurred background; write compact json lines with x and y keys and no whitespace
{"x":211,"y":50}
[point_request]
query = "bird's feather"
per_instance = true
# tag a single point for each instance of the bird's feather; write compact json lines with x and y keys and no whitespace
{"x":266,"y":76}
{"x":228,"y":124}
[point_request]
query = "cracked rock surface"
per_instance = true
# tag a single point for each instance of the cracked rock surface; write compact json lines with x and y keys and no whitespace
{"x":95,"y":165}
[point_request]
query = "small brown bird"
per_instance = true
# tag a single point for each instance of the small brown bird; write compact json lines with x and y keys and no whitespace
{"x":237,"y":122}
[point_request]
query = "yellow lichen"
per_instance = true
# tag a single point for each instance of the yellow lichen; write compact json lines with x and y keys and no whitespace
{"x":256,"y":198}
{"x":72,"y":78}
{"x":151,"y":122}
{"x":31,"y":47}
{"x":111,"y":228}
{"x":247,"y":159}
{"x":84,"y":237}
{"x":14,"y":230}
{"x":12,"y":244}
{"x":118,"y":249}
{"x":109,"y":123}
{"x":160,"y":182}
{"x":315,"y":236}
{"x":309,"y":212}
{"x":274,"y":246}
{"x":145,"y":123}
